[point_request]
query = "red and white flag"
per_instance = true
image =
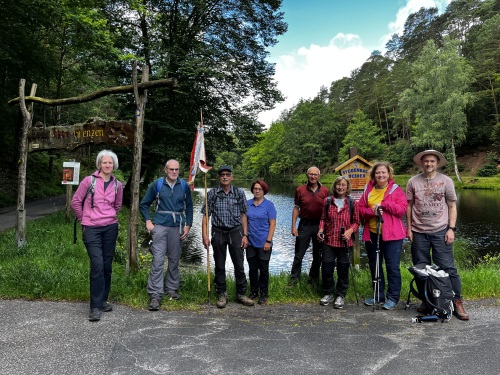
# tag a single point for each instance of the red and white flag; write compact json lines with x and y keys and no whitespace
{"x":198,"y":157}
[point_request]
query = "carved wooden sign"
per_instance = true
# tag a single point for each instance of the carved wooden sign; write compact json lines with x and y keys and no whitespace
{"x":357,"y":170}
{"x":70,"y":137}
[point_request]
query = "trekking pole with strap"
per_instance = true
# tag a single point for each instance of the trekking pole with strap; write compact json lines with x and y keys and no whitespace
{"x":342,"y":231}
{"x":376,"y":279}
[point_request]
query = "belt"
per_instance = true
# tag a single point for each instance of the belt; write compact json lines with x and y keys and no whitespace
{"x":225,"y":230}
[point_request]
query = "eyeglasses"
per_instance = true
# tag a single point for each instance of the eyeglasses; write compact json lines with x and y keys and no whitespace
{"x":257,"y":189}
{"x":225,"y":174}
{"x":173,"y":169}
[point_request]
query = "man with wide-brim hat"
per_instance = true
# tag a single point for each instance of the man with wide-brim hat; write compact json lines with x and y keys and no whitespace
{"x":431,"y":218}
{"x":441,"y":159}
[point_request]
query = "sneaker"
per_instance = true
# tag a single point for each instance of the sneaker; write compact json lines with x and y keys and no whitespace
{"x":253,"y":296}
{"x":339,"y":302}
{"x":154,"y":304}
{"x":222,"y":300}
{"x":459,"y":310}
{"x":371,"y":302}
{"x":94,"y":314}
{"x":326,"y":299}
{"x":106,"y":306}
{"x":389,"y":305}
{"x":244,"y":300}
{"x":173,"y":295}
{"x":263,"y":300}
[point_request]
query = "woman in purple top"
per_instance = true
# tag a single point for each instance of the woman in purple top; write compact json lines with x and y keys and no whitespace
{"x":96,"y":204}
{"x":261,"y":216}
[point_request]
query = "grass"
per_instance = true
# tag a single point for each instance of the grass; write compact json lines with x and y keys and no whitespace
{"x":50,"y":267}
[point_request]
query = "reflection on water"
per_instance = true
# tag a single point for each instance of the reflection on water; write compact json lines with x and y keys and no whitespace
{"x":478,"y":224}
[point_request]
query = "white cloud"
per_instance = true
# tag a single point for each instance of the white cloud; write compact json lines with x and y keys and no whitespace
{"x":301,"y":73}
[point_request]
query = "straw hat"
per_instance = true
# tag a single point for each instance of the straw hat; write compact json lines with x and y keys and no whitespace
{"x":441,"y":159}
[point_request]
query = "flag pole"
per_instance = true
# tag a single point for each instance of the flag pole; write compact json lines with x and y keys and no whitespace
{"x":208,"y":248}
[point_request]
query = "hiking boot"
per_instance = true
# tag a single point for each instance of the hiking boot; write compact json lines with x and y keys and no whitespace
{"x":94,"y":314}
{"x":325,"y":301}
{"x":253,"y":296}
{"x":263,"y":300}
{"x":222,"y":300}
{"x":173,"y":295}
{"x":244,"y":300}
{"x":339,"y":302}
{"x":106,"y":307}
{"x":459,"y":309}
{"x":154,"y":304}
{"x":389,"y":305}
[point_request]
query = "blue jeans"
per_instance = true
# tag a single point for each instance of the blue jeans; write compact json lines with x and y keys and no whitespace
{"x":307,"y":232}
{"x":390,"y":251}
{"x":100,"y":243}
{"x":442,"y":255}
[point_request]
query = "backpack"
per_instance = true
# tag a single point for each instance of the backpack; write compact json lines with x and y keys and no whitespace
{"x":329,"y":203}
{"x":435,"y":290}
{"x":159,"y":184}
{"x":91,"y":190}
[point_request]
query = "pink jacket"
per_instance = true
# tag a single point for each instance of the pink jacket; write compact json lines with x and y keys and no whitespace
{"x":106,"y":203}
{"x":393,"y":206}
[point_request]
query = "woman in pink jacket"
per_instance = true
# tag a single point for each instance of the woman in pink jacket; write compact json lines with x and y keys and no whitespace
{"x":96,"y":204}
{"x":385,"y":199}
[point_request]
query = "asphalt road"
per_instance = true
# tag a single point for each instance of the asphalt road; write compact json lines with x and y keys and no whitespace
{"x":34,"y":210}
{"x":56,"y":338}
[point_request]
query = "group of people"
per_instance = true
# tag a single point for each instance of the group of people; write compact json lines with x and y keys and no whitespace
{"x":246,"y":227}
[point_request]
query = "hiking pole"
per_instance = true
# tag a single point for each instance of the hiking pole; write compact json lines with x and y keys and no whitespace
{"x":376,"y":279}
{"x":342,"y":231}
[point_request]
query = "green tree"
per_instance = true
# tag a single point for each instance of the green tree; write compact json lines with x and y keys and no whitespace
{"x":364,"y":134}
{"x":438,"y":97}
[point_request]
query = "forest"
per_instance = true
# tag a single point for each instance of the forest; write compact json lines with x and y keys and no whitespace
{"x":437,"y":85}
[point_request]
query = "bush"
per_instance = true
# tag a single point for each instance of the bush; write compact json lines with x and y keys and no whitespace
{"x":488,"y":170}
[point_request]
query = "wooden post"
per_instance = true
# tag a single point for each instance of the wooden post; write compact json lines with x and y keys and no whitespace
{"x":27,"y":114}
{"x":140,"y":100}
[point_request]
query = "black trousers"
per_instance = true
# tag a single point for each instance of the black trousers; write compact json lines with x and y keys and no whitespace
{"x":332,"y":255}
{"x":307,"y":232}
{"x":258,"y":264}
{"x":228,"y":240}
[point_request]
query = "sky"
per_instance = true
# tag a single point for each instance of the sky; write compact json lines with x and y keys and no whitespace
{"x":327,"y":39}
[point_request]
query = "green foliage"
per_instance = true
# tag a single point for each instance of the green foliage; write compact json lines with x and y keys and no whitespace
{"x":365,"y":135}
{"x":400,"y":155}
{"x":488,"y":170}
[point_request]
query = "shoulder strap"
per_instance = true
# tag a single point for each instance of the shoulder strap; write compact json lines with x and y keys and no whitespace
{"x":90,"y":190}
{"x":327,"y":206}
{"x":351,"y":207}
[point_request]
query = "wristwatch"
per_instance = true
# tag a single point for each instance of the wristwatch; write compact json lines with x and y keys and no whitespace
{"x":454,"y":229}
{"x":245,"y":235}
{"x":269,"y":241}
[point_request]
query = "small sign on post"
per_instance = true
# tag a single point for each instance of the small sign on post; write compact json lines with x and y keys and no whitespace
{"x":71,"y":173}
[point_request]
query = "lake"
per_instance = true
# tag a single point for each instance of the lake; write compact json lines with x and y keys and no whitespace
{"x":478,"y":224}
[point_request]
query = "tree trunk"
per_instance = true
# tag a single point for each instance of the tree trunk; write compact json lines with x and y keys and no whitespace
{"x":27,"y":114}
{"x":140,"y":99}
{"x":455,"y":161}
